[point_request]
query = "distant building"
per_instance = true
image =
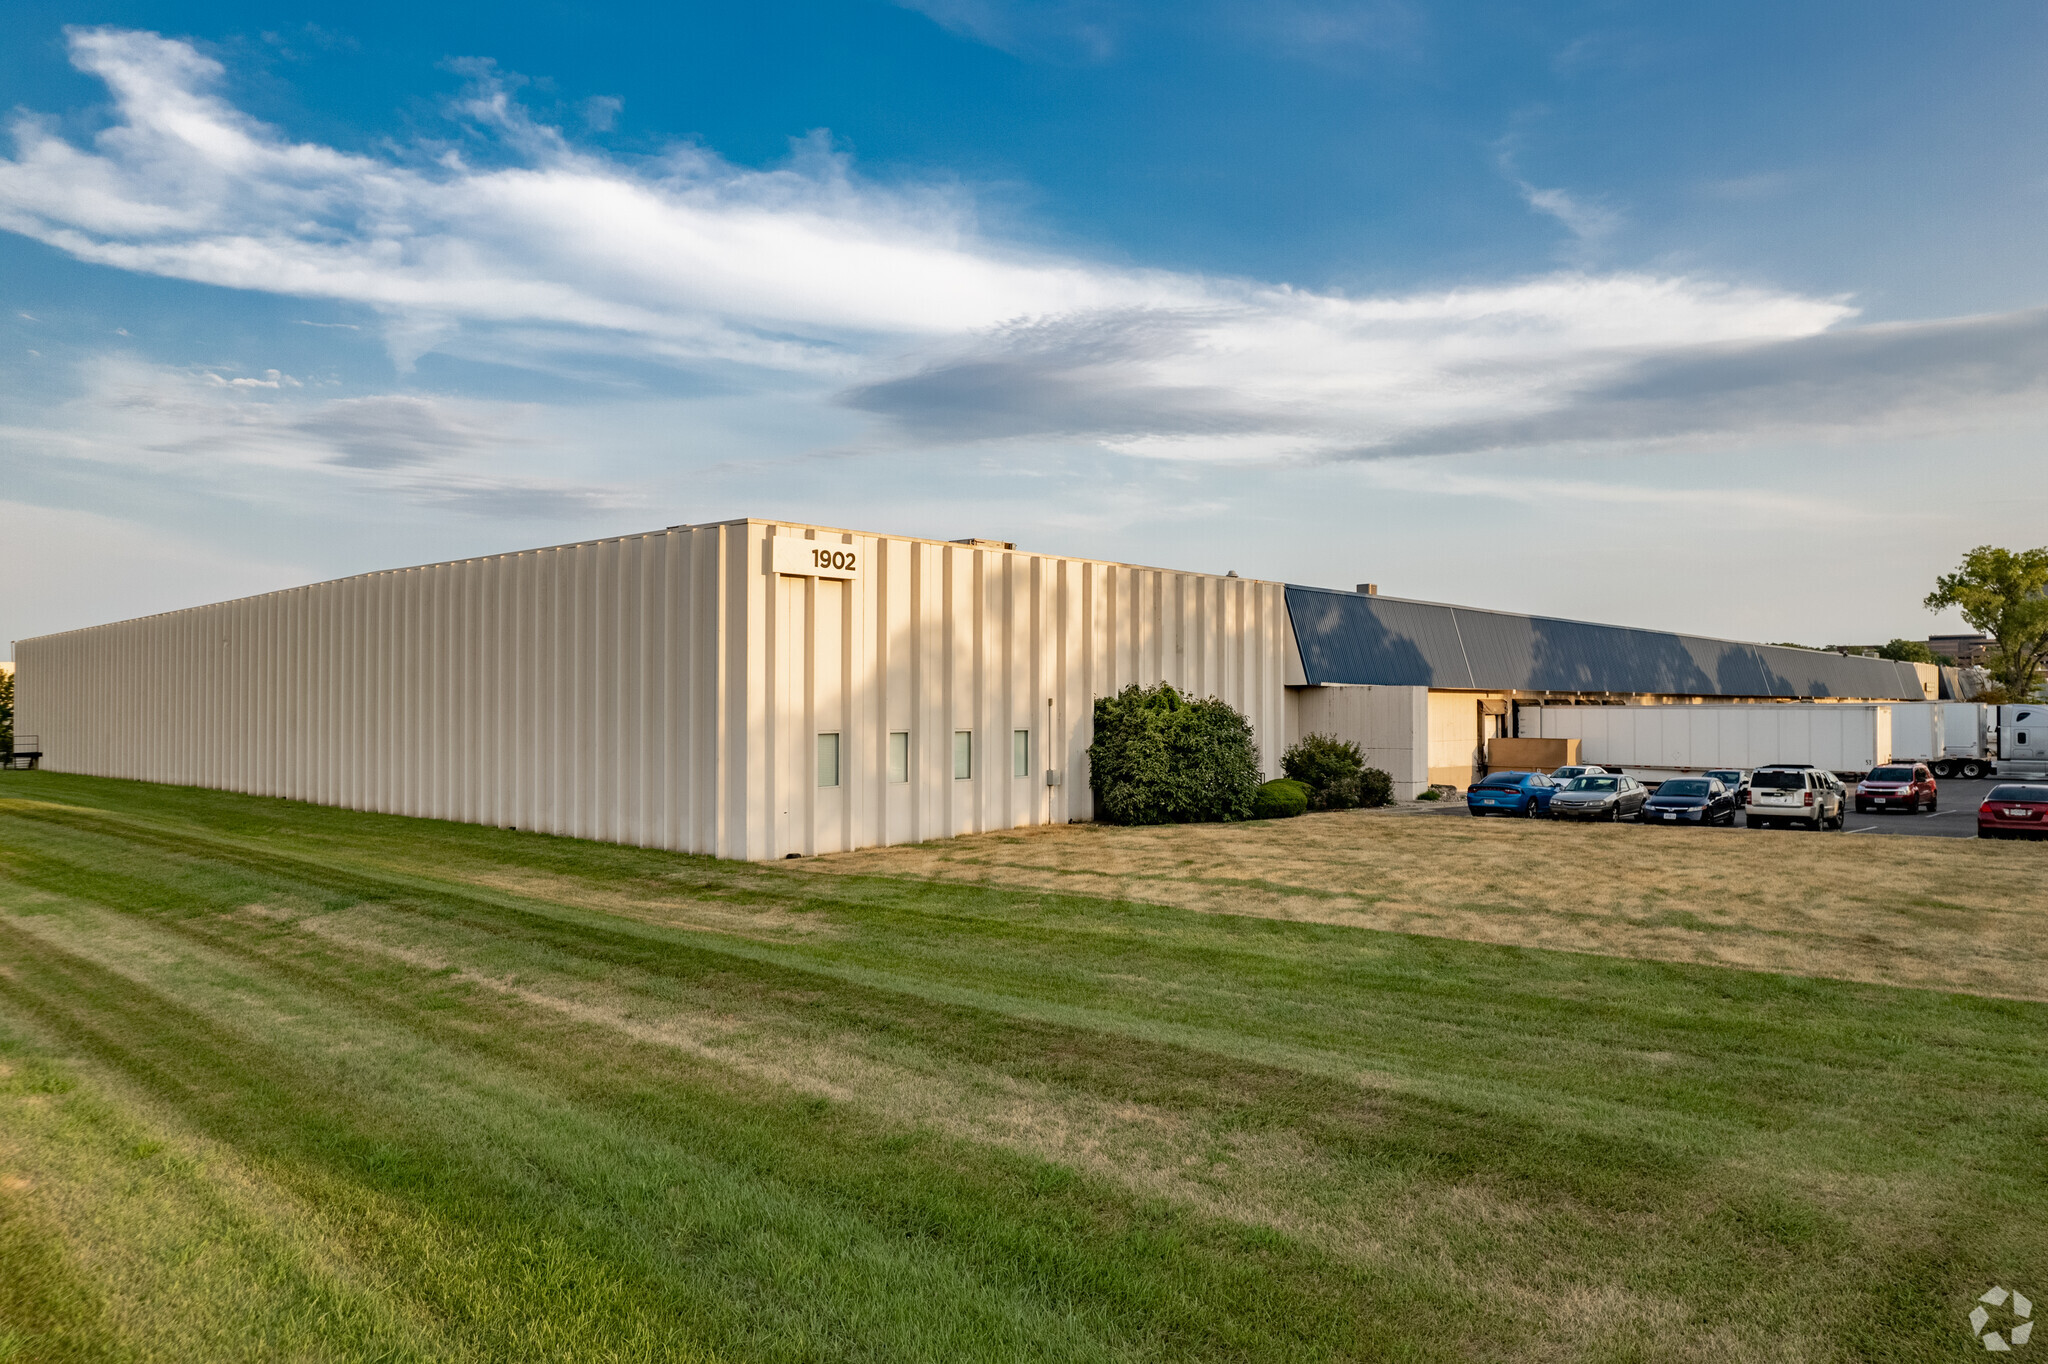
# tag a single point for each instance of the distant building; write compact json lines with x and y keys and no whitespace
{"x":1964,"y":649}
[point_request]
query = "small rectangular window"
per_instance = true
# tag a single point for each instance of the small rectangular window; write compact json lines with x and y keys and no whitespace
{"x":1020,"y":753}
{"x":828,"y":760}
{"x":899,"y":755}
{"x":963,"y":754}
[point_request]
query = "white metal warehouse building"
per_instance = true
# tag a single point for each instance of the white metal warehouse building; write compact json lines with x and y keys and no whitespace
{"x":756,"y":689}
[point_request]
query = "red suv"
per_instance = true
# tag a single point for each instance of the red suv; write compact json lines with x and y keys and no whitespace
{"x":1902,"y":786}
{"x":2014,"y":812}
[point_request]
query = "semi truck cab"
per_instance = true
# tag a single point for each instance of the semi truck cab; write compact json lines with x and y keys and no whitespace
{"x":2023,"y":741}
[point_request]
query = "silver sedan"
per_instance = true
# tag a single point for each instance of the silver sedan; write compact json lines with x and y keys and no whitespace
{"x":1608,"y":798}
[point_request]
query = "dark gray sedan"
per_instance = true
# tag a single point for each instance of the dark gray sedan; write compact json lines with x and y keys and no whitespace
{"x":1608,"y":798}
{"x":1691,"y":800}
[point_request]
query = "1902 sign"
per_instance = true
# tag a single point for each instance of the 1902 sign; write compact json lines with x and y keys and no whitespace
{"x":814,"y":558}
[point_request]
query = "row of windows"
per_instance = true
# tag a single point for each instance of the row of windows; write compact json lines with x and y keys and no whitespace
{"x":899,"y":756}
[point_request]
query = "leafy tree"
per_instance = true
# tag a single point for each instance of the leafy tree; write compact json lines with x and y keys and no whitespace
{"x":1161,"y":758}
{"x":2004,"y":594}
{"x":7,"y":711}
{"x":1907,"y":651}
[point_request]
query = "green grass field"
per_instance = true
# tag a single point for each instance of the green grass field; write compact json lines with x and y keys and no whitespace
{"x":283,"y":1082}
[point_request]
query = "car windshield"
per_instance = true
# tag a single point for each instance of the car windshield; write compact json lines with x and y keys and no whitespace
{"x":1592,"y":784}
{"x":1779,"y":781}
{"x":1727,"y":778}
{"x":1890,"y":774}
{"x":1682,"y":788}
{"x":2032,"y":795}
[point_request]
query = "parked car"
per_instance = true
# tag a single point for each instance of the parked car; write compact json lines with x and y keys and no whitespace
{"x":1564,"y":776}
{"x":2014,"y":810}
{"x":1527,"y":794}
{"x":1691,"y":800}
{"x":1734,"y":778}
{"x":1900,"y":786}
{"x":1792,"y":793}
{"x":1603,"y":796}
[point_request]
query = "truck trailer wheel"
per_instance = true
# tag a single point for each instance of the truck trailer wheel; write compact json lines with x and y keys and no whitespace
{"x":1972,"y":771}
{"x":1944,"y":770}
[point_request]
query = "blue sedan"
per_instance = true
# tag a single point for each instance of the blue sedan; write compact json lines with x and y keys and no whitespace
{"x":1526,"y":794}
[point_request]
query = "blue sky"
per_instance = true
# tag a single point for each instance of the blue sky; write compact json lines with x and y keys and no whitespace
{"x":1723,"y":320}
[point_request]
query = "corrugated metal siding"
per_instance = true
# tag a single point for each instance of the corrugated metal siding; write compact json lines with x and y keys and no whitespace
{"x":1352,"y":638}
{"x":665,"y":689}
{"x":572,"y":690}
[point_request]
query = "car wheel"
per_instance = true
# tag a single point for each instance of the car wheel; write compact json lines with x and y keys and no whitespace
{"x":1752,"y":822}
{"x":1862,"y":807}
{"x":1933,"y":804}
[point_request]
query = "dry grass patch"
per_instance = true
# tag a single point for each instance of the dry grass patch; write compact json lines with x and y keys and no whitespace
{"x":1951,"y":914}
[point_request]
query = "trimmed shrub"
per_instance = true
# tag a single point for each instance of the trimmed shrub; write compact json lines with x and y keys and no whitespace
{"x":1332,"y":769}
{"x":1163,"y":758}
{"x":1280,"y":799}
{"x":1375,"y":788}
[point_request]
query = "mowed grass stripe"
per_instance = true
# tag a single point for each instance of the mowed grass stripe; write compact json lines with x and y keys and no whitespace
{"x":809,"y":1207}
{"x":1320,"y":991}
{"x":1521,"y":1153}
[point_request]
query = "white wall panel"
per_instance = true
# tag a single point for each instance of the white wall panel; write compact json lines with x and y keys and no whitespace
{"x":662,"y":689}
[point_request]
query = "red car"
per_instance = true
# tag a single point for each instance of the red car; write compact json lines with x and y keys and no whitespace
{"x":1902,"y":786}
{"x":2014,"y":812}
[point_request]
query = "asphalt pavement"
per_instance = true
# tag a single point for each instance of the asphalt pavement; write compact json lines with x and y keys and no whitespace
{"x":1955,"y":815}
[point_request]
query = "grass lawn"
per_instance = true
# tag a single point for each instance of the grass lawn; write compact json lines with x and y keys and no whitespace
{"x":284,"y":1082}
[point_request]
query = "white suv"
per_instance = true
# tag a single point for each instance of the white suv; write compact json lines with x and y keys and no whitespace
{"x":1794,"y":794}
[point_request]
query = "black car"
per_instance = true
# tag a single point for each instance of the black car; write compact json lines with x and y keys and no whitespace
{"x":1691,"y":800}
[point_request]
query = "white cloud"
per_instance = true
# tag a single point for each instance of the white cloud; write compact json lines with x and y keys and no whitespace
{"x":1589,"y":222}
{"x":896,"y":297}
{"x":257,"y":440}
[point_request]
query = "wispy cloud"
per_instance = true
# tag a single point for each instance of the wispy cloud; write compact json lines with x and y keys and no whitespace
{"x":898,"y":299}
{"x":249,"y":439}
{"x":1053,"y":30}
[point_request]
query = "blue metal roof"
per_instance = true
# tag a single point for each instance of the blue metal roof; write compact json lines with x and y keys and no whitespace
{"x":1349,"y":637}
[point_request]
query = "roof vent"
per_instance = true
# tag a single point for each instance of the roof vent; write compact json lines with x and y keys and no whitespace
{"x":1369,"y":589}
{"x":988,"y":544}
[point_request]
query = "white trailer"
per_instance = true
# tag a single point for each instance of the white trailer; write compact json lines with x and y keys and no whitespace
{"x":1676,"y":739}
{"x":1919,"y":730}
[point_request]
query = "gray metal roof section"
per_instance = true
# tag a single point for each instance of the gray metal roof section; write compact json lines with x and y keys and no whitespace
{"x":1349,"y":637}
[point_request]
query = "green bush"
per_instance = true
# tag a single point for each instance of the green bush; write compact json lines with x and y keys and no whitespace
{"x":1375,"y":788}
{"x":1281,"y":799}
{"x":1329,"y":767}
{"x":1162,"y":758}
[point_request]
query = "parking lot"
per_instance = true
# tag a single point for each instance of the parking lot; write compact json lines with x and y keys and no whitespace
{"x":1956,"y":818}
